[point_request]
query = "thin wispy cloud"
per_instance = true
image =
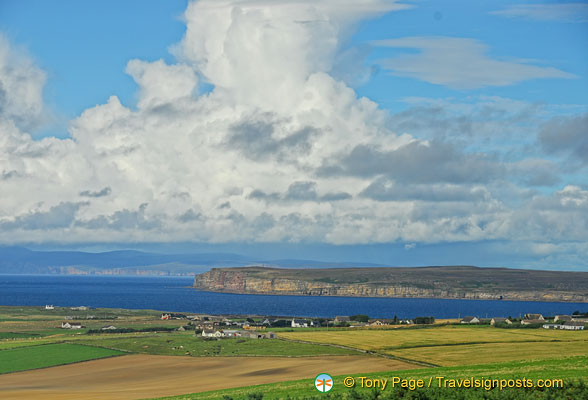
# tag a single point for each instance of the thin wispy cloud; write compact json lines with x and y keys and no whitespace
{"x":563,"y":12}
{"x":459,"y":63}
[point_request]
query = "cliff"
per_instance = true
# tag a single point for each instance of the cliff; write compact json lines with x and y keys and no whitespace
{"x":455,"y":282}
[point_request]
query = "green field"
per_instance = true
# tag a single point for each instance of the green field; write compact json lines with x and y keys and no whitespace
{"x":178,"y":344}
{"x":17,"y":335}
{"x":25,"y":358}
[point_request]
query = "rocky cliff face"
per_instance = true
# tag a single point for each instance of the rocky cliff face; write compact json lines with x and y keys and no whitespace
{"x":243,"y":281}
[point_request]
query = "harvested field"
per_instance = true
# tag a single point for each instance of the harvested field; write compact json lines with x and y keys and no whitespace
{"x":147,"y":376}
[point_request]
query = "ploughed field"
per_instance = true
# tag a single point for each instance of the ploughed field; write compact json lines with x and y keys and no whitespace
{"x":146,"y":376}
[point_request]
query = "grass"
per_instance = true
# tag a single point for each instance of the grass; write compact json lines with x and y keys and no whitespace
{"x":179,"y":344}
{"x":32,"y":357}
{"x":569,"y":369}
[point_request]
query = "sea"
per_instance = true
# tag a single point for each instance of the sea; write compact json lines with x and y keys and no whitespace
{"x":174,"y":294}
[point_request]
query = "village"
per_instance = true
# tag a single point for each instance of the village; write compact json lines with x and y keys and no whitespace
{"x":258,"y":327}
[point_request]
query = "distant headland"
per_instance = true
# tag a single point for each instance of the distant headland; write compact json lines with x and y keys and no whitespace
{"x":449,"y":282}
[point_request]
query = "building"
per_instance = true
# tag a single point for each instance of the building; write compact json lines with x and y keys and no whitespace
{"x":532,"y":321}
{"x":49,"y":307}
{"x":498,"y":320}
{"x":580,"y":319}
{"x":80,"y":308}
{"x":572,"y":326}
{"x":534,"y":317}
{"x":563,"y":318}
{"x":341,"y":319}
{"x":71,"y":325}
{"x":108,"y":328}
{"x":299,"y":323}
{"x":211,"y":333}
{"x":551,"y":326}
{"x":470,"y":320}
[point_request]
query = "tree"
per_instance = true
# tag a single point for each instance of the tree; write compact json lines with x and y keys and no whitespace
{"x":359,"y":318}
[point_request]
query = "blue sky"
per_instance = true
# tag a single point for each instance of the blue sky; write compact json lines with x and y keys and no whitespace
{"x":408,"y":131}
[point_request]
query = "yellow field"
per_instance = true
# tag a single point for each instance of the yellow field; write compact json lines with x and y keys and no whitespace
{"x":457,"y":345}
{"x":493,"y":352}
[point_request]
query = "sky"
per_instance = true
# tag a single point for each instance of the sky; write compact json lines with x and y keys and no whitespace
{"x":394,"y":132}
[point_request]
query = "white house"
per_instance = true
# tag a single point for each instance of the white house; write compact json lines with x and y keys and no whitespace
{"x":71,"y":325}
{"x":470,"y":320}
{"x":49,"y":307}
{"x":212,"y":333}
{"x":299,"y":323}
{"x":108,"y":328}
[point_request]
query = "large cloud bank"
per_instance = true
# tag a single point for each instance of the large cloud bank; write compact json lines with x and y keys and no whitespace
{"x":278,"y":150}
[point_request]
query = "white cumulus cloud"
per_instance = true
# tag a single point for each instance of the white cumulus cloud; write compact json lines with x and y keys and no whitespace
{"x":278,"y":150}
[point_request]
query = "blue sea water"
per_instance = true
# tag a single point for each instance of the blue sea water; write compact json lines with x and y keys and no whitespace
{"x":174,"y":294}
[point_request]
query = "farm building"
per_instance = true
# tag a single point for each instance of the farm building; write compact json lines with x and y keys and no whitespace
{"x":341,"y":318}
{"x":470,"y":320}
{"x":572,"y":326}
{"x":498,"y":320}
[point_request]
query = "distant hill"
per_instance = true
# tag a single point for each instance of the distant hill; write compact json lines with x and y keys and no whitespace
{"x":20,"y":260}
{"x":456,"y":282}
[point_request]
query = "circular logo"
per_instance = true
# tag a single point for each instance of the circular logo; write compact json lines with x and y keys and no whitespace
{"x":323,"y":383}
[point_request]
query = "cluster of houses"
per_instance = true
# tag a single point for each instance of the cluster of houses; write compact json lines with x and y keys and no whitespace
{"x":78,"y":325}
{"x":221,"y":333}
{"x":566,"y":322}
{"x":222,"y":327}
{"x":78,"y":308}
